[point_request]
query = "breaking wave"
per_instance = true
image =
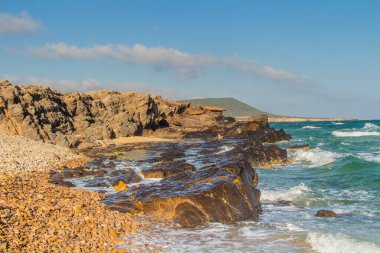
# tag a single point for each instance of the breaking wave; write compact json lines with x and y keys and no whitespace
{"x":371,"y":126}
{"x":370,"y":157}
{"x":337,"y":123}
{"x":369,"y":129}
{"x":310,"y":127}
{"x":315,"y":157}
{"x":354,"y":134}
{"x":269,"y":196}
{"x":328,"y":243}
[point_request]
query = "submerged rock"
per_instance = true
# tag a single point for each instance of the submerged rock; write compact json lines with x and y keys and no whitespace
{"x":325,"y":213}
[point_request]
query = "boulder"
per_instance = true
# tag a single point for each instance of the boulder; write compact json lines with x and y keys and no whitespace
{"x":325,"y":213}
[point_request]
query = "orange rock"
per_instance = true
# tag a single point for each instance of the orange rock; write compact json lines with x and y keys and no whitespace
{"x":112,"y":232}
{"x":121,"y":186}
{"x":214,"y":108}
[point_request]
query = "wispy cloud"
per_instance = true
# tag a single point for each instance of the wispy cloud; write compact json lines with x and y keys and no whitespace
{"x":187,"y":65}
{"x":66,"y":85}
{"x":20,"y":23}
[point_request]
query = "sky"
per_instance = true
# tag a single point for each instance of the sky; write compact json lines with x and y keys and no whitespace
{"x":296,"y":58}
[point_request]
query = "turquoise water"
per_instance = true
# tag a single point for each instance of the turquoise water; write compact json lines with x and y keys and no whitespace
{"x":340,"y":172}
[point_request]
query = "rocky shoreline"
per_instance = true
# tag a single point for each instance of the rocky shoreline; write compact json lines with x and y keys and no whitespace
{"x":208,"y":174}
{"x":217,"y":186}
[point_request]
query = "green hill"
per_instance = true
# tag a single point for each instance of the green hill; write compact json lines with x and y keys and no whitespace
{"x":234,"y":107}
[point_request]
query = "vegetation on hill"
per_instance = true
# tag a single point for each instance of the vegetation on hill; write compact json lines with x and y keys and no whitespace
{"x":234,"y":107}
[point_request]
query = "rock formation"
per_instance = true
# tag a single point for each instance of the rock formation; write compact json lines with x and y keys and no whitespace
{"x":80,"y":119}
{"x":222,"y":189}
{"x":223,"y":192}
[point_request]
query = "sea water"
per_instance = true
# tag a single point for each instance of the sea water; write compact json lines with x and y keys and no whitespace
{"x":340,"y":172}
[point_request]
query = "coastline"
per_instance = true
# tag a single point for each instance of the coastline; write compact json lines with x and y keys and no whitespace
{"x":297,"y":119}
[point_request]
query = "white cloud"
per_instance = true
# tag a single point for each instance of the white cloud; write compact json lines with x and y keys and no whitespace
{"x":21,"y":23}
{"x":187,"y":65}
{"x":65,"y":85}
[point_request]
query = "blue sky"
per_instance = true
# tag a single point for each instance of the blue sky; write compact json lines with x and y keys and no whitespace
{"x":303,"y":58}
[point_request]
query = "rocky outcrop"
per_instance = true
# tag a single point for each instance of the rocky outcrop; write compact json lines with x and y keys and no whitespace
{"x":80,"y":119}
{"x":223,"y":192}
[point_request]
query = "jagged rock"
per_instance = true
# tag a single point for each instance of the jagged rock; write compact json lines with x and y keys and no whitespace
{"x":80,"y":120}
{"x":224,"y":192}
{"x":40,"y":113}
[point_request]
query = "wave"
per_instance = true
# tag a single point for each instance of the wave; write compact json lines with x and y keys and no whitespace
{"x":315,"y":157}
{"x":270,"y":196}
{"x":370,"y":126}
{"x":370,"y":157}
{"x":328,"y":243}
{"x":369,"y":129}
{"x":354,"y":134}
{"x":310,"y":127}
{"x":290,"y":227}
{"x":337,"y":123}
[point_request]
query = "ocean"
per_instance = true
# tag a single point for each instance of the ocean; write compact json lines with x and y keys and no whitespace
{"x":340,"y":172}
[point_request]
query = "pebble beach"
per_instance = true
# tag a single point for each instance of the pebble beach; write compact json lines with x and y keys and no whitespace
{"x":37,"y":216}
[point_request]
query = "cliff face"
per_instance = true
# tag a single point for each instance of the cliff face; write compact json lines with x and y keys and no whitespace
{"x":80,"y":119}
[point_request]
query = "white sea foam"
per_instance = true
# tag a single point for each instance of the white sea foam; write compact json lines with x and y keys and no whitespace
{"x":369,"y":129}
{"x":290,"y":227}
{"x":354,"y":134}
{"x":314,"y":157}
{"x":268,"y":196}
{"x":370,"y":126}
{"x":339,"y":243}
{"x":337,"y":123}
{"x":370,"y":157}
{"x":310,"y":127}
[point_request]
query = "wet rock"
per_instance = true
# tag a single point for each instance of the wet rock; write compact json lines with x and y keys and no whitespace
{"x":225,"y":192}
{"x":126,"y":176}
{"x":58,"y":177}
{"x":325,"y":213}
{"x":299,"y":147}
{"x":110,"y":165}
{"x":167,"y":169}
{"x":97,"y":183}
{"x":102,"y":178}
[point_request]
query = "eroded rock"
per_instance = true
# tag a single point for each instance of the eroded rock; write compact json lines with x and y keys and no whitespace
{"x":224,"y":192}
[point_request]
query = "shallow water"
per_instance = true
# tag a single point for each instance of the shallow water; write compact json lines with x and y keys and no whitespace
{"x":340,"y":172}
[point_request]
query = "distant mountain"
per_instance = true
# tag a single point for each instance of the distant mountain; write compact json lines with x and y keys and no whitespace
{"x":234,"y":107}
